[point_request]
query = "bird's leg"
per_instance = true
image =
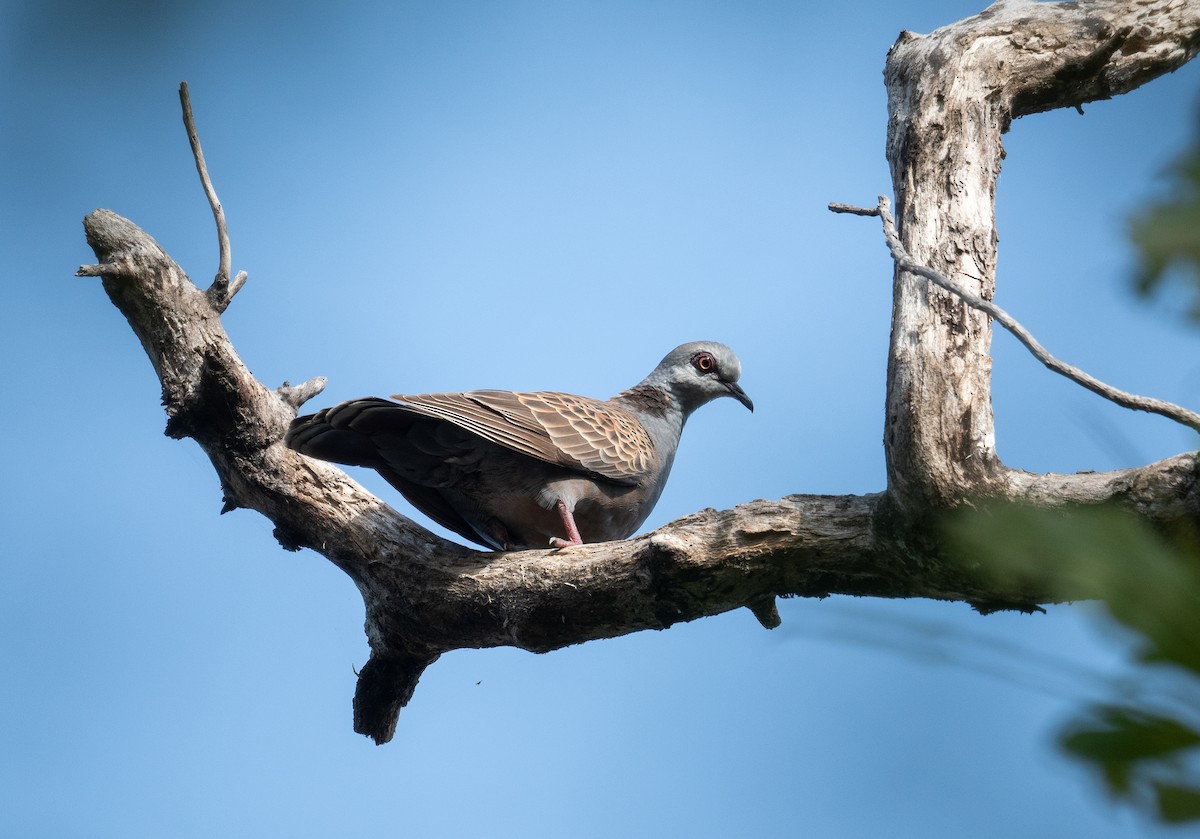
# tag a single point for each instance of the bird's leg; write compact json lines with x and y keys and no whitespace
{"x":568,"y":520}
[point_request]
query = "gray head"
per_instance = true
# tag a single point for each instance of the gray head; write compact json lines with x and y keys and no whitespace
{"x":697,"y":373}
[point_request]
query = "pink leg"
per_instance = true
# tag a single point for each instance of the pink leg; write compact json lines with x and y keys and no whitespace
{"x":568,"y":521}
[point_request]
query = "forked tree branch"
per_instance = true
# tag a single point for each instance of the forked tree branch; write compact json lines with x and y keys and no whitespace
{"x":951,"y":96}
{"x":425,"y":596}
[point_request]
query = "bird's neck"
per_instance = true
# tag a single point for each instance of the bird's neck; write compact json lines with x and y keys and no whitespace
{"x":647,"y":401}
{"x":659,"y":412}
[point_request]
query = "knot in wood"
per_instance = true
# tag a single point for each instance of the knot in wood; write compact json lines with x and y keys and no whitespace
{"x":669,"y":547}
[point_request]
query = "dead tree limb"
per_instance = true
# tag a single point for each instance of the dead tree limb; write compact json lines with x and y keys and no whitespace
{"x":952,"y":94}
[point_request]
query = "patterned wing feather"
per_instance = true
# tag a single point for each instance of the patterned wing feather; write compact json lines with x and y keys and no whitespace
{"x":558,"y":428}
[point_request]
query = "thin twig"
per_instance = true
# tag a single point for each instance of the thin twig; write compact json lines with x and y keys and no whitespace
{"x":220,"y":292}
{"x":835,"y":207}
{"x":906,"y":263}
{"x":235,"y":285}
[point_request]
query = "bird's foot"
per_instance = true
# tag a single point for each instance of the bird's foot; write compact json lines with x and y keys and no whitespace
{"x":555,"y":542}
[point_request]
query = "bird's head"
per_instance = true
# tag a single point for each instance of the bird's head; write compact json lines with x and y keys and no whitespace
{"x":698,"y":372}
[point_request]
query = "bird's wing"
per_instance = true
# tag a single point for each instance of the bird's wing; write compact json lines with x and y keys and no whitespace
{"x":431,"y":502}
{"x":558,"y":428}
{"x":379,"y":434}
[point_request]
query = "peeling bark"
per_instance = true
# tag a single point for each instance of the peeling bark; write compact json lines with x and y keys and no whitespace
{"x":951,"y":95}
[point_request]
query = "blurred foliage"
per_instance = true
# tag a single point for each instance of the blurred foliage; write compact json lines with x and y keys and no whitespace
{"x":1167,"y":232}
{"x":1144,"y":743}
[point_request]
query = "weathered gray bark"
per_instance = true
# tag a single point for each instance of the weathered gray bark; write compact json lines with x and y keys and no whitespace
{"x":951,"y":95}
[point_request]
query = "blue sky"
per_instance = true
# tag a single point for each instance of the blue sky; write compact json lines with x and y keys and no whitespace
{"x":530,"y":196}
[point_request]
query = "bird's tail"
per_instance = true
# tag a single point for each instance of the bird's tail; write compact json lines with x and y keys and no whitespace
{"x":341,"y":434}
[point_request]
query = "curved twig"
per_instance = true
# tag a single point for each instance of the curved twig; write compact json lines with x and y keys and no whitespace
{"x":1123,"y":398}
{"x":222,"y":290}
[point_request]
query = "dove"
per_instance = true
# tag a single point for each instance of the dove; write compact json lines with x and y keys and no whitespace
{"x":512,"y":471}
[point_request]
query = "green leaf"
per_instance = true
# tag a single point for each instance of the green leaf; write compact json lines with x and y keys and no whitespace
{"x":1150,"y":585}
{"x":1167,"y":232}
{"x":1177,"y":804}
{"x":1126,"y":735}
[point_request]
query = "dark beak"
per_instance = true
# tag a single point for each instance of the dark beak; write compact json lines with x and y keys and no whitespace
{"x":735,"y":390}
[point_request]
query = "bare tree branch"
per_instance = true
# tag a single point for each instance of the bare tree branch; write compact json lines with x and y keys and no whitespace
{"x":425,"y":596}
{"x":1123,"y":398}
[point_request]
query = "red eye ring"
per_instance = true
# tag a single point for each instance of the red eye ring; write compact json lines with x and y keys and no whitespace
{"x":704,"y":362}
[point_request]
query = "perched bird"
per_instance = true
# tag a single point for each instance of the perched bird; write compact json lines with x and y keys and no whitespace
{"x":523,"y":470}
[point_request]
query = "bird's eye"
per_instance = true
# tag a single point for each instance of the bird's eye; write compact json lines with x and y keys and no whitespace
{"x":704,"y":362}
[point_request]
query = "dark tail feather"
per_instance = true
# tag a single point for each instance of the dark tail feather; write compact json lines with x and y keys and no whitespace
{"x":342,"y":434}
